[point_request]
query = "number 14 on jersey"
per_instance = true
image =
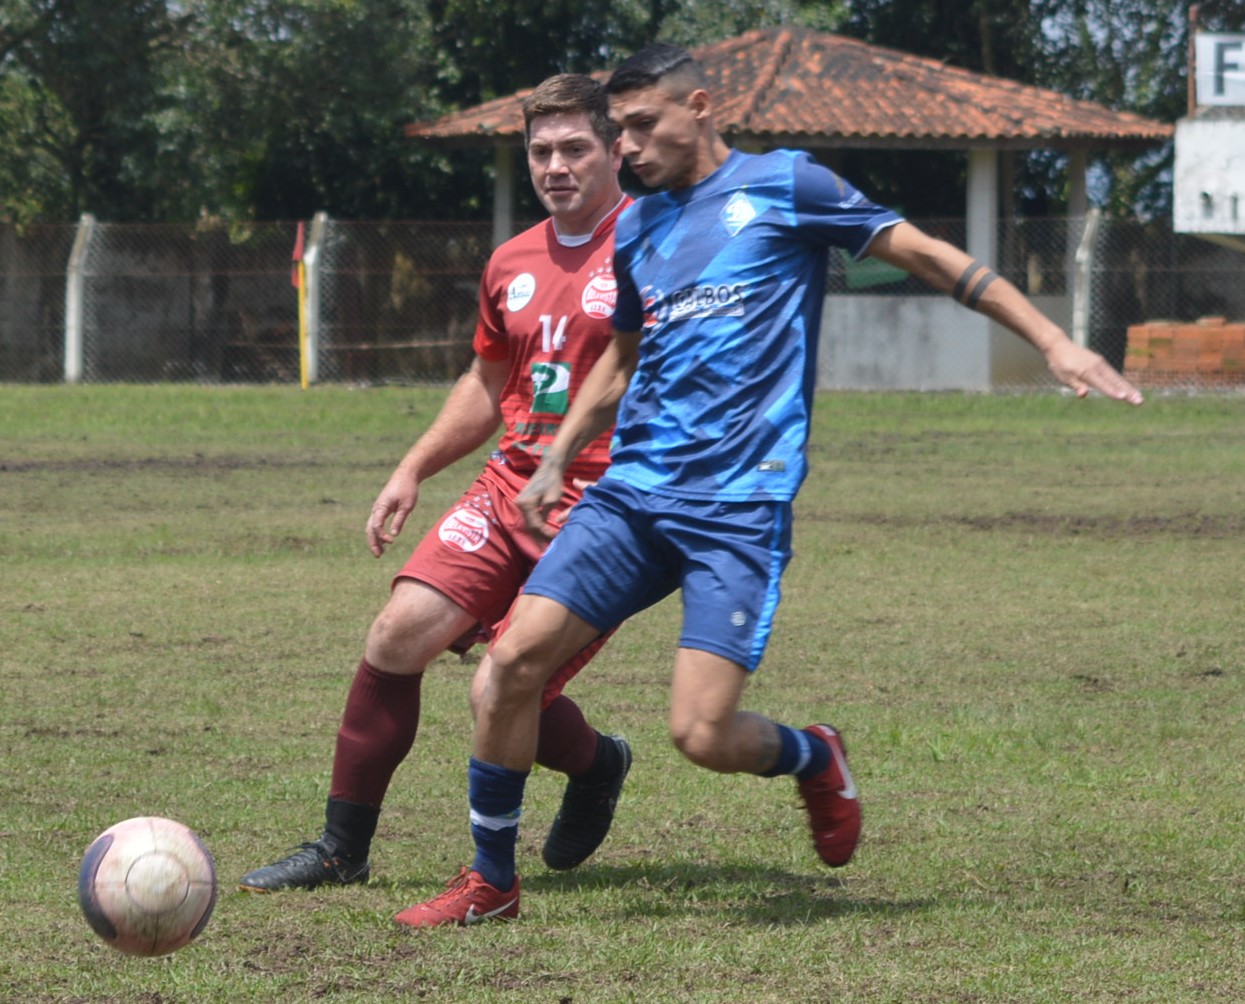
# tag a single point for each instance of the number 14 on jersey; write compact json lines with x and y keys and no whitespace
{"x":552,"y":338}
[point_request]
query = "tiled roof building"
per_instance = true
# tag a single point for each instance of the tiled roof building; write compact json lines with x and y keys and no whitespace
{"x":809,"y":89}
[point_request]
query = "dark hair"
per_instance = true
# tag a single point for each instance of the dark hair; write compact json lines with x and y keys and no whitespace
{"x":653,"y":64}
{"x":568,"y":93}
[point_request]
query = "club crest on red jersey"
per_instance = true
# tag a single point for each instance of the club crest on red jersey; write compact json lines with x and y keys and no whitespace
{"x":464,"y":530}
{"x":601,"y":294}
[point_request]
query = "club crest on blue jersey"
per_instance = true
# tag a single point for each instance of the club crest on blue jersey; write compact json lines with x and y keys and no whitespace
{"x":738,"y":213}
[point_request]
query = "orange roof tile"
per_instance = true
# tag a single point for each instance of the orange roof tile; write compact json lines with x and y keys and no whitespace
{"x":803,"y":88}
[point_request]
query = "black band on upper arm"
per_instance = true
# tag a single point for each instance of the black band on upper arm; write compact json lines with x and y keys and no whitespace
{"x":960,"y":287}
{"x":982,"y":283}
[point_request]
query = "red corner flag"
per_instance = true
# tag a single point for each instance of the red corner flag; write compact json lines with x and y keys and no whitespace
{"x":297,"y":256}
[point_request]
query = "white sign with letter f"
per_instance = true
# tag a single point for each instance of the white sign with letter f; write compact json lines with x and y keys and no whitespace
{"x":1220,"y":69}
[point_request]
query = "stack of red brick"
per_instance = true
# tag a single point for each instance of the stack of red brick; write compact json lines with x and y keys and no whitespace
{"x":1207,"y":351}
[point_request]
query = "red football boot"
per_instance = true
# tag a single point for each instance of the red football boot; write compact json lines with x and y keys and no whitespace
{"x":467,"y":899}
{"x":833,"y":807}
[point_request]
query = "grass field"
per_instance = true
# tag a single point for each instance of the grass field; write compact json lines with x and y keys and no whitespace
{"x":1024,"y":613}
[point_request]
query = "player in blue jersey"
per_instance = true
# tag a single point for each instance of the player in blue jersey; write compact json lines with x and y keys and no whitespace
{"x":710,"y":374}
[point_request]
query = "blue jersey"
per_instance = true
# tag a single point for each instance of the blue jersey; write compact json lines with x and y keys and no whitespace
{"x":725,"y":280}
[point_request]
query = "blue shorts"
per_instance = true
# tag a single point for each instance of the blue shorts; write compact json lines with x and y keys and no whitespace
{"x":623,"y":550}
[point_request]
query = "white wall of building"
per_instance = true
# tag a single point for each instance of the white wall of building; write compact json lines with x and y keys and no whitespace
{"x":1209,"y":178}
{"x":924,"y":343}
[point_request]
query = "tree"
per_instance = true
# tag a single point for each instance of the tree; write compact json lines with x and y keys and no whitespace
{"x":83,"y":89}
{"x":987,"y":36}
{"x":485,"y":49}
{"x":300,"y":106}
{"x":1129,"y":55}
{"x":696,"y":24}
{"x":165,"y":109}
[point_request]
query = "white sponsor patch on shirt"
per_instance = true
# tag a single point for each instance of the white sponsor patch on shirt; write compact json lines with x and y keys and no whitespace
{"x":522,"y":288}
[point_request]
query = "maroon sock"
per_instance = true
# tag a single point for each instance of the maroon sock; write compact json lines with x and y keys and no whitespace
{"x":377,"y":730}
{"x":567,"y":742}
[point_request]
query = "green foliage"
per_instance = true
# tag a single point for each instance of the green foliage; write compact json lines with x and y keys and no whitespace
{"x":695,"y":24}
{"x":998,"y":37}
{"x":1129,"y":55}
{"x":33,"y":181}
{"x":85,"y":84}
{"x":269,"y":109}
{"x":244,"y":108}
{"x":1023,"y":613}
{"x":322,"y":90}
{"x":483,"y":49}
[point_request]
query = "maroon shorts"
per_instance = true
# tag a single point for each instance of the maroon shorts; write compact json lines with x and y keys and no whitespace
{"x":479,"y":555}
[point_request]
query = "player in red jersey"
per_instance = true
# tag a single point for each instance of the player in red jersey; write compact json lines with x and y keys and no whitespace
{"x":546,"y":300}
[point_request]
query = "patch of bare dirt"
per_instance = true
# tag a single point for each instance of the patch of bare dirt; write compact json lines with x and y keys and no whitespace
{"x":1213,"y":526}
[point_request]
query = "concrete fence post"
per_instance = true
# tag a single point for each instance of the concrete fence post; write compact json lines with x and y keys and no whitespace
{"x":311,"y":263}
{"x":74,"y":281}
{"x":1082,"y":284}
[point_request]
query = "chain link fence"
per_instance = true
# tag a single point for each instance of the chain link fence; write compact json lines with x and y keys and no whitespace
{"x":32,"y":301}
{"x":170,"y":303}
{"x":396,"y":301}
{"x":220,"y":303}
{"x":1169,"y":309}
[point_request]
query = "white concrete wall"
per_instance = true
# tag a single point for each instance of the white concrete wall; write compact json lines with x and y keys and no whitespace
{"x":1209,"y":177}
{"x":1016,"y":363}
{"x":924,"y":343}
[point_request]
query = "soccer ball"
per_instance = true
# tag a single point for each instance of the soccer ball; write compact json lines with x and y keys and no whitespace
{"x":147,"y":886}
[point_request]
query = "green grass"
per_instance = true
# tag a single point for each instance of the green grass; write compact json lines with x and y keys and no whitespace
{"x":1023,"y":612}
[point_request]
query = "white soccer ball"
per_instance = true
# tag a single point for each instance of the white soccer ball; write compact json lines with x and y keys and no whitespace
{"x":147,"y":886}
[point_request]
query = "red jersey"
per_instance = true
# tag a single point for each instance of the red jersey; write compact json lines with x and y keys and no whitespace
{"x":547,"y":307}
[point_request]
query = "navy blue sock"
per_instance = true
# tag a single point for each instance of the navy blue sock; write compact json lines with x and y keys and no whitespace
{"x":496,"y":797}
{"x":803,"y":754}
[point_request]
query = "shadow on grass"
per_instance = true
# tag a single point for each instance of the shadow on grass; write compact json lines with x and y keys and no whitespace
{"x":755,"y":893}
{"x":762,"y":895}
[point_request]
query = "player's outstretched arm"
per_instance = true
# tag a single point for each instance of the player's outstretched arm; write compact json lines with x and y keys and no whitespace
{"x":590,"y":414}
{"x":1084,"y":370}
{"x":467,"y":420}
{"x":979,"y":288}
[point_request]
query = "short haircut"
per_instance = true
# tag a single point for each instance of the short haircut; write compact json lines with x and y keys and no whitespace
{"x":656,"y":63}
{"x":567,"y":94}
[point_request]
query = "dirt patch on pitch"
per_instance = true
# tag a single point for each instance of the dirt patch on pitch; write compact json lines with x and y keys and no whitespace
{"x":198,"y":463}
{"x":1190,"y":524}
{"x":1208,"y":526}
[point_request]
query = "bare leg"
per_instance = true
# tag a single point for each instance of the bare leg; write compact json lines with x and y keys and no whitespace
{"x":417,"y":624}
{"x":506,"y":691}
{"x":705,"y":721}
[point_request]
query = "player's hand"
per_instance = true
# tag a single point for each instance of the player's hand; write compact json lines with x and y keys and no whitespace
{"x":561,"y":517}
{"x":393,"y":505}
{"x":541,"y":495}
{"x":1084,"y":370}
